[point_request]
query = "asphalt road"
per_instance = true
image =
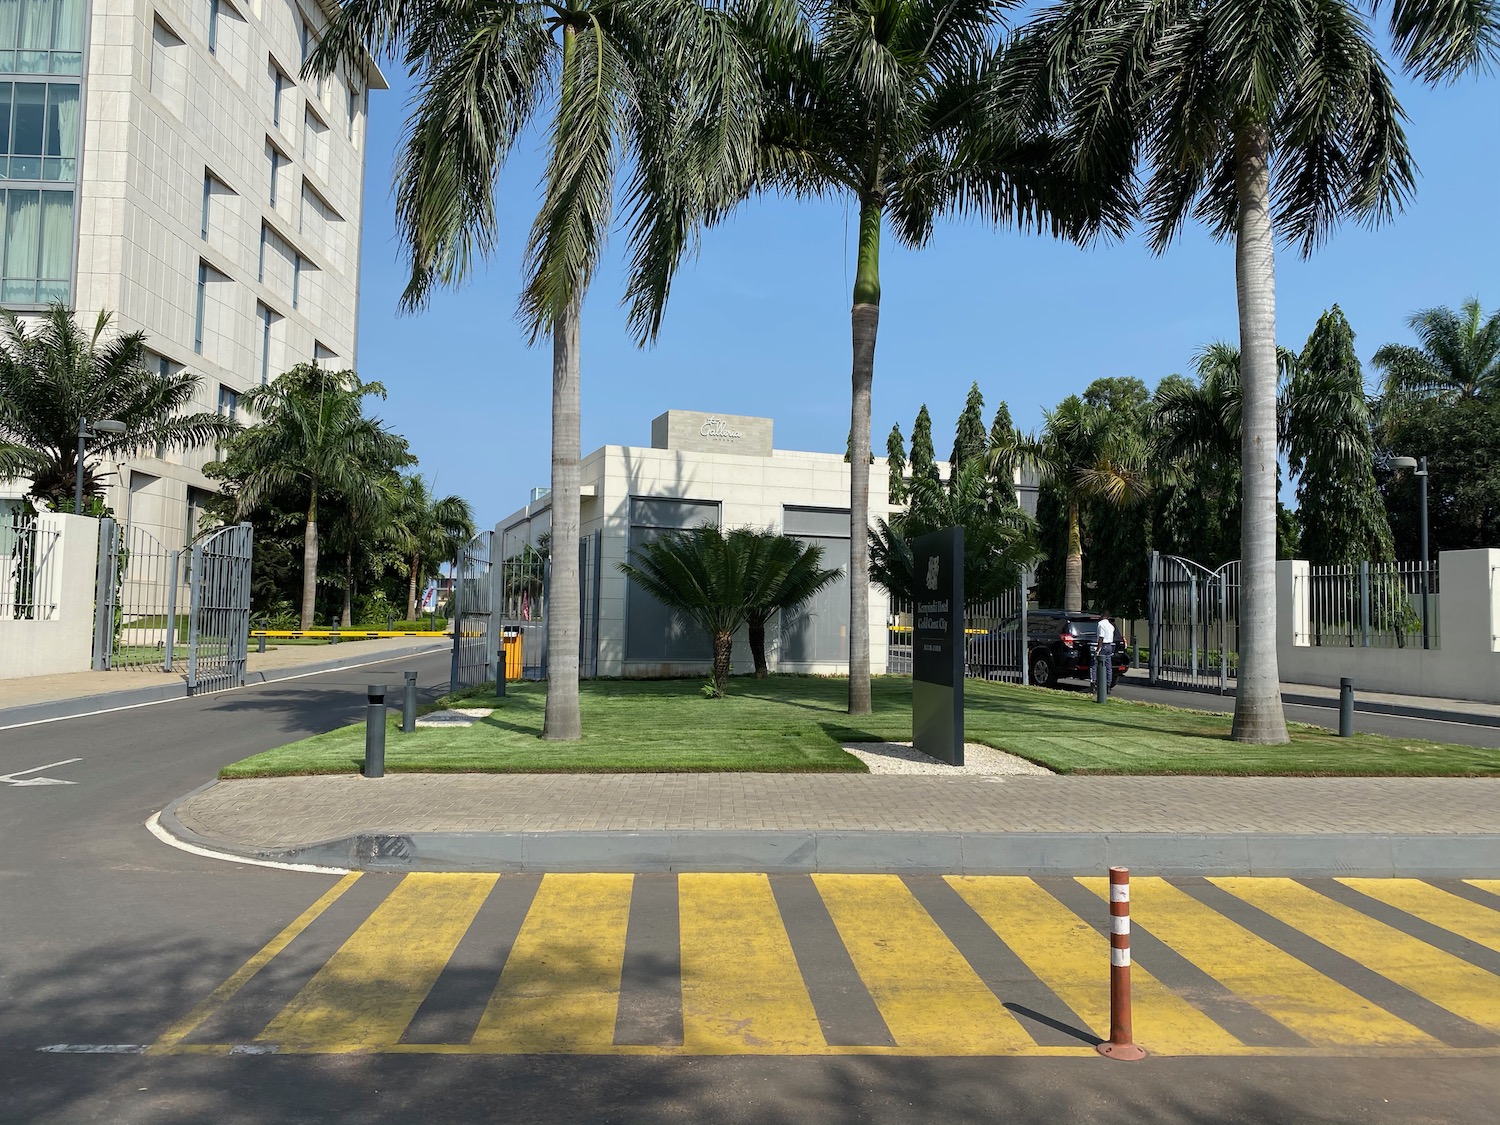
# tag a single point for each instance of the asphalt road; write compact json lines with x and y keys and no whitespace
{"x":107,"y":936}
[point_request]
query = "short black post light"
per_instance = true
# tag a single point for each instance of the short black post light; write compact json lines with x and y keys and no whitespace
{"x":86,"y":429}
{"x":1420,"y":465}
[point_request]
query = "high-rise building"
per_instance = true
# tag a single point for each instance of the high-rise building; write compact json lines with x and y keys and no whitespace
{"x":163,"y":159}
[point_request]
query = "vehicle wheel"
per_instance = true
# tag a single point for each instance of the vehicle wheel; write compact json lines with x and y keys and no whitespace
{"x":1042,"y":673}
{"x":1114,"y":678}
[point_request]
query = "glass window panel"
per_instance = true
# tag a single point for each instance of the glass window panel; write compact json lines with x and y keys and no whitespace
{"x":30,"y":114}
{"x":31,"y":62}
{"x":57,"y":235}
{"x":67,"y":62}
{"x":22,"y":220}
{"x":7,"y":60}
{"x":51,"y":168}
{"x":4,"y":167}
{"x":50,"y":292}
{"x":36,"y":24}
{"x":62,"y":120}
{"x":18,"y":292}
{"x":5,"y":92}
{"x":10,"y":13}
{"x":68,"y":35}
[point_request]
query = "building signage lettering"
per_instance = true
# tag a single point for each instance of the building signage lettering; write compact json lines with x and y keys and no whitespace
{"x":716,"y":429}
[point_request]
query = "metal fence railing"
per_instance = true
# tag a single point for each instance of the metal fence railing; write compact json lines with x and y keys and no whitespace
{"x":28,"y":559}
{"x":992,"y":638}
{"x":1368,"y":605}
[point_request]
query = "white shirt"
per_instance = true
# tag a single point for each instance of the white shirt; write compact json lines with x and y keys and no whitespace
{"x":1106,"y":632}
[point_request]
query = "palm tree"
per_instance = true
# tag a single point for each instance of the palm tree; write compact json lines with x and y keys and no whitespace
{"x":786,"y":572}
{"x":659,"y":85}
{"x":56,"y":375}
{"x":1092,"y":457}
{"x":705,"y":575}
{"x":1459,"y":356}
{"x":886,"y":103}
{"x":1207,"y":99}
{"x":361,"y":525}
{"x":999,"y":538}
{"x":313,"y":435}
{"x":431,"y":530}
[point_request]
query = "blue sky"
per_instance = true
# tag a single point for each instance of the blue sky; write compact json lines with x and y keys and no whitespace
{"x":759,"y":322}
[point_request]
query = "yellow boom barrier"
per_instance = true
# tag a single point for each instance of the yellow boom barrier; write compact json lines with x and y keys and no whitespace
{"x":289,"y":633}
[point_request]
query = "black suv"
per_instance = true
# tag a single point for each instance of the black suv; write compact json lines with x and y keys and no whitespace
{"x":1060,"y":646}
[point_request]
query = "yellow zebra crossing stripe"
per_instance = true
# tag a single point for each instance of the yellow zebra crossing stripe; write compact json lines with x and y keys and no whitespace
{"x":1463,"y":989}
{"x":932,"y":1000}
{"x":1431,"y":904}
{"x":1319,"y":1009}
{"x":742,"y":992}
{"x":560,"y":988}
{"x":367,"y":993}
{"x":355,"y":979}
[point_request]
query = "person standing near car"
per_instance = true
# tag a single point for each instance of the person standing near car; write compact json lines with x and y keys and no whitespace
{"x":1105,"y":654}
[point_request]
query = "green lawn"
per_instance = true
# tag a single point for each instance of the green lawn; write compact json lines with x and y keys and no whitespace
{"x":793,"y":724}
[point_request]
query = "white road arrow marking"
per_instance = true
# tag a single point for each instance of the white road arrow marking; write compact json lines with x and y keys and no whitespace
{"x":10,"y":778}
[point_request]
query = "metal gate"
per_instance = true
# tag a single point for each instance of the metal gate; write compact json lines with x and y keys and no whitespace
{"x":143,"y":600}
{"x":992,"y":638}
{"x":219,"y":609}
{"x":473,"y":609}
{"x":1194,"y":623}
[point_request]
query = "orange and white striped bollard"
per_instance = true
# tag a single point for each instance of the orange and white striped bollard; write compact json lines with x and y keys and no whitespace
{"x":1120,"y":1046}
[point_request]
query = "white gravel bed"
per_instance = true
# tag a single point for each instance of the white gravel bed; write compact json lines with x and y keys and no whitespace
{"x":456,"y":717}
{"x":979,"y":761}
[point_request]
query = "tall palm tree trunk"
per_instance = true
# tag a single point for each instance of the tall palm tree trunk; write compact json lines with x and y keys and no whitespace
{"x":411,"y":589}
{"x":348,"y":616}
{"x":1258,"y":715}
{"x":1073,"y":562}
{"x":564,"y":605}
{"x":310,"y":562}
{"x":865,"y":321}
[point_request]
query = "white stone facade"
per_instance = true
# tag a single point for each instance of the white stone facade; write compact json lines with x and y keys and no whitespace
{"x":788,"y":491}
{"x":219,"y":207}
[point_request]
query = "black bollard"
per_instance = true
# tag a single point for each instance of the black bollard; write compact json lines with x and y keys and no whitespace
{"x":409,"y":704}
{"x":375,"y":731}
{"x":1346,"y":707}
{"x":261,"y":647}
{"x":1101,"y":676}
{"x":500,"y":670}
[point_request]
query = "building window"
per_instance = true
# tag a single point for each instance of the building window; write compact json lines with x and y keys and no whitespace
{"x":296,"y":279}
{"x":39,"y":130}
{"x":260,"y":270}
{"x":275,"y":160}
{"x":213,"y":27}
{"x":278,"y":83}
{"x":198,"y":307}
{"x":208,"y":196}
{"x":42,"y":36}
{"x":652,"y":631}
{"x":168,"y":68}
{"x":38,"y":254}
{"x":266,"y":317}
{"x":353,"y":107}
{"x":229,"y":403}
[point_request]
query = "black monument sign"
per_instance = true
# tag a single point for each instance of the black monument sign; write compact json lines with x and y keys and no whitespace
{"x":937,"y":651}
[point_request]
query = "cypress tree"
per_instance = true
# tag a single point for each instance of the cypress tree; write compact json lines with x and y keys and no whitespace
{"x":1002,"y":436}
{"x":923,"y":462}
{"x":969,"y":440}
{"x":895,"y":456}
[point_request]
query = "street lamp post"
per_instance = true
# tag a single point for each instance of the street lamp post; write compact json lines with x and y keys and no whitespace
{"x":85,"y":429}
{"x":1421,"y":472}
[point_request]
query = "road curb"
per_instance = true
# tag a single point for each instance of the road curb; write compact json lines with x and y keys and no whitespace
{"x":136,"y":697}
{"x":1294,"y":855}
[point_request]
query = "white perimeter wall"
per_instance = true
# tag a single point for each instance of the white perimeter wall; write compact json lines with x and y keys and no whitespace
{"x":64,"y":641}
{"x":1465,"y":666}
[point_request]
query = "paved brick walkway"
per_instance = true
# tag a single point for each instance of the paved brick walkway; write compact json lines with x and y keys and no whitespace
{"x":290,"y":812}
